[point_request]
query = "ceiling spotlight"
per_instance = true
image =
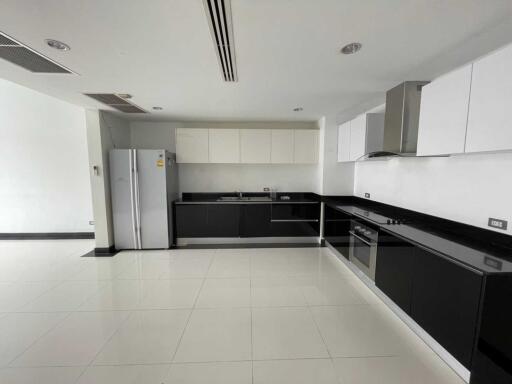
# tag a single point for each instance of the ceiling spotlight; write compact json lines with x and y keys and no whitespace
{"x":157,"y":108}
{"x":56,"y":44}
{"x":298,"y":109}
{"x":351,"y":48}
{"x":124,"y":95}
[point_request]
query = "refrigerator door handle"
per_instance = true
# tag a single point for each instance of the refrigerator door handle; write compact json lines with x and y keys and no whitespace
{"x":132,"y":198}
{"x":137,"y":200}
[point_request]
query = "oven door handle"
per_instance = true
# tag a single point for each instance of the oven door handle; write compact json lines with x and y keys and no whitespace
{"x":363,"y":240}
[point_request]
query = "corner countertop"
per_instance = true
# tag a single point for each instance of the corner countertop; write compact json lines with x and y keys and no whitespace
{"x":482,"y":254}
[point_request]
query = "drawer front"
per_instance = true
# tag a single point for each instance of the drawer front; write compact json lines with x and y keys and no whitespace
{"x":295,"y":212}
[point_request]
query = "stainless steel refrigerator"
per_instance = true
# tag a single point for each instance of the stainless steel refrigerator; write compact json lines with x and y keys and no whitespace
{"x":144,"y":183}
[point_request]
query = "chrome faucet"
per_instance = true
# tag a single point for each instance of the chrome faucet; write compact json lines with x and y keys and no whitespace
{"x":239,"y":193}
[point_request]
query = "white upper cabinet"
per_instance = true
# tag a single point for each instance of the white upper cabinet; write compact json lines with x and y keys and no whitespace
{"x":224,"y":145}
{"x":489,"y":126}
{"x":192,"y":145}
{"x":444,"y":114}
{"x":374,"y":132}
{"x":247,"y":146}
{"x":255,"y":145}
{"x":344,"y":142}
{"x":282,"y":146}
{"x":306,"y":146}
{"x":357,"y":137}
{"x":360,"y":136}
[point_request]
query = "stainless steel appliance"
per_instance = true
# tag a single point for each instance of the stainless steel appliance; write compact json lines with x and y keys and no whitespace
{"x":144,"y":183}
{"x":401,"y":120}
{"x":363,"y":247}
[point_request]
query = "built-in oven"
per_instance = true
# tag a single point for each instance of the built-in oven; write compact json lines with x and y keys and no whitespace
{"x":363,"y":247}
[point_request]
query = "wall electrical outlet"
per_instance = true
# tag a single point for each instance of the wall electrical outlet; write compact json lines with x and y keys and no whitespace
{"x":367,"y":195}
{"x":91,"y":222}
{"x":497,"y":223}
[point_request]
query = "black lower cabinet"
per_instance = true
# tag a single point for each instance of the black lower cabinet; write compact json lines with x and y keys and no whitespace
{"x":207,"y":220}
{"x":295,"y":220}
{"x":247,"y":220}
{"x":255,"y":220}
{"x":445,"y":303}
{"x":191,"y":220}
{"x":394,"y":270}
{"x":492,"y":362}
{"x":336,"y":229}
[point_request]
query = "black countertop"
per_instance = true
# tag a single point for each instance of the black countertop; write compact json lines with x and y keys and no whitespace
{"x":487,"y":253}
{"x":212,"y":198}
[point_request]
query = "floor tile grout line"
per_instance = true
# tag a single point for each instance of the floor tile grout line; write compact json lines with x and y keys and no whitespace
{"x":64,"y":318}
{"x":130,"y":314}
{"x":189,"y":316}
{"x":252,"y":331}
{"x":380,"y":356}
{"x":58,"y":284}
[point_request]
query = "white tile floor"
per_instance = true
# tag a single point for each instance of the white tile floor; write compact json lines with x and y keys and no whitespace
{"x":239,"y":316}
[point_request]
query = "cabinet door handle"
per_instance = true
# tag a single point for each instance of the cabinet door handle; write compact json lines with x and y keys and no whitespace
{"x":294,"y":221}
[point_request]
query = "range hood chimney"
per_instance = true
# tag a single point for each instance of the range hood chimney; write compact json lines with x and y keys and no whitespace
{"x":402,"y":118}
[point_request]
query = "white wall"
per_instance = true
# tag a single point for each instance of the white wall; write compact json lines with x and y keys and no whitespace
{"x":152,"y":135}
{"x":104,"y":132}
{"x":465,"y":188}
{"x":248,"y":177}
{"x":44,"y":181}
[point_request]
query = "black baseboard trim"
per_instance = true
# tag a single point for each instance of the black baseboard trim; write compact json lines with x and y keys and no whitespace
{"x":102,"y":252}
{"x":47,"y":236}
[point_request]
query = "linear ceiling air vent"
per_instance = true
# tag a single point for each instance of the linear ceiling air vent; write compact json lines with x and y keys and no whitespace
{"x":218,"y":13}
{"x":116,"y":102}
{"x":19,"y":54}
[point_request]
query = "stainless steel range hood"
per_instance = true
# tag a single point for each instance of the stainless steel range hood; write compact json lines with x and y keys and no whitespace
{"x":402,"y":118}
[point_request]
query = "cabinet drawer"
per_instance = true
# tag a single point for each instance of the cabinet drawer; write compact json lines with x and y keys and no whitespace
{"x":295,"y":212}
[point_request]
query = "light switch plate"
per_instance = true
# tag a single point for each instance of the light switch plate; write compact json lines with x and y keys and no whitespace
{"x":497,"y":223}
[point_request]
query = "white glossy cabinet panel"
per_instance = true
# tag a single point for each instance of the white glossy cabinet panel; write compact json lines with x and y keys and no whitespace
{"x":192,"y":145}
{"x":282,"y":146}
{"x":344,"y":142}
{"x":489,"y":124}
{"x":357,"y":137}
{"x":224,"y":145}
{"x":255,"y":146}
{"x":306,"y":146}
{"x":444,"y":114}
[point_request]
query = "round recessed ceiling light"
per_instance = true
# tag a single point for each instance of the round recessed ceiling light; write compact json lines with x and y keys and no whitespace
{"x":351,"y":48}
{"x":298,"y":109}
{"x":157,"y":108}
{"x":58,"y":45}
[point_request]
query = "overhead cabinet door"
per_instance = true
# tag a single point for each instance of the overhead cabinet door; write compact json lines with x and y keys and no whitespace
{"x":224,"y":145}
{"x":444,"y":113}
{"x":344,"y":142}
{"x":306,"y":146}
{"x":357,"y":137}
{"x":489,"y":124}
{"x":192,"y":145}
{"x":255,"y":145}
{"x":282,"y":146}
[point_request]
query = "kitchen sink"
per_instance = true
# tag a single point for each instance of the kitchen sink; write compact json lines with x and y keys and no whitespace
{"x":244,"y":198}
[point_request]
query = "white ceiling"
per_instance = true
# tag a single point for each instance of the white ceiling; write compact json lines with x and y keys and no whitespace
{"x":287,"y":51}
